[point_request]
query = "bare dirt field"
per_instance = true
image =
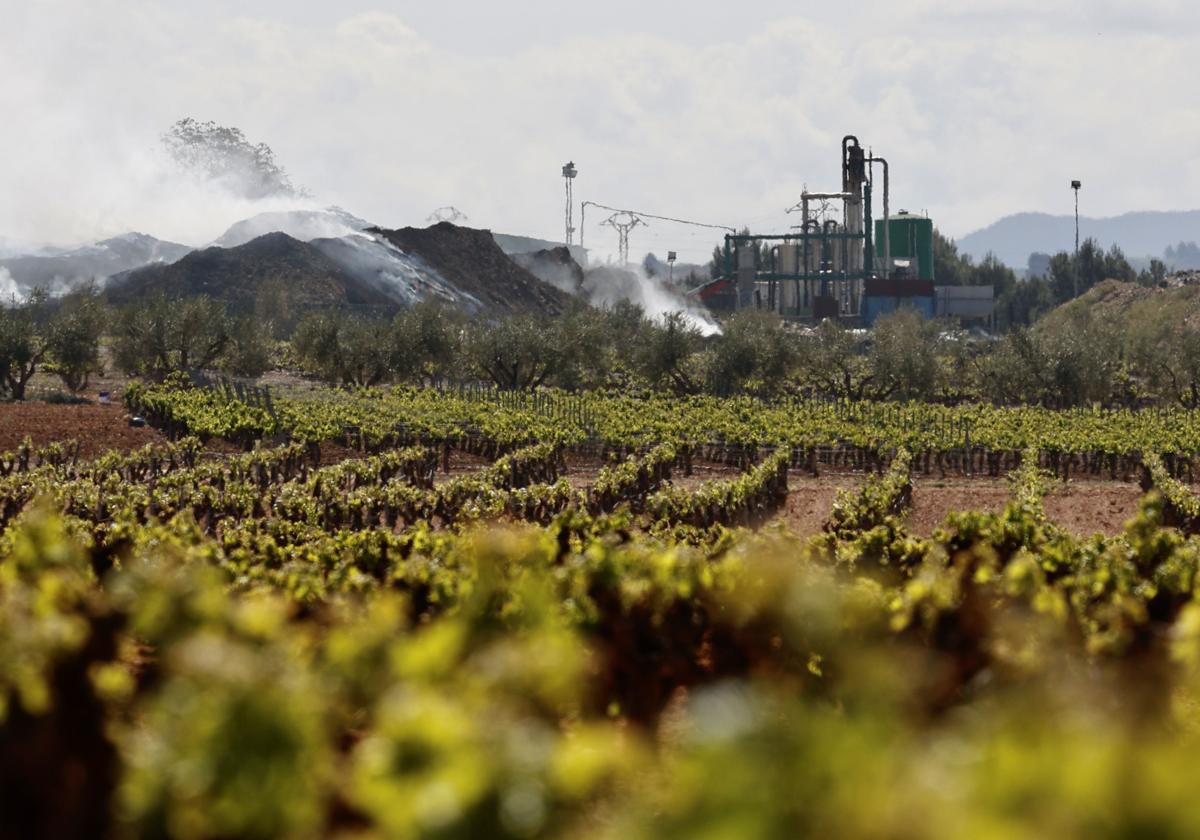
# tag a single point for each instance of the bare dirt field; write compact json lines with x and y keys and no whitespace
{"x":1093,"y":507}
{"x":1083,"y":508}
{"x":810,"y":501}
{"x":98,"y":428}
{"x":935,"y":498}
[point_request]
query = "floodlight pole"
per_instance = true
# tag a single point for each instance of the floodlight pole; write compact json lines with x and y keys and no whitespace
{"x":1075,"y":185}
{"x":569,"y":172}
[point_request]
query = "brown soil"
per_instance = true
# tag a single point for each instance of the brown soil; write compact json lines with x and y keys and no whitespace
{"x":810,"y":501}
{"x":98,"y":428}
{"x":934,"y":499}
{"x":1083,"y":508}
{"x":1094,"y":508}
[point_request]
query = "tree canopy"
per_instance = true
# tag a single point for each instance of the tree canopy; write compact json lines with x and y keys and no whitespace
{"x":223,"y":154}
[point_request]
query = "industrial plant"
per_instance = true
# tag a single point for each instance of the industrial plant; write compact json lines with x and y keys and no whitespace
{"x":842,"y":261}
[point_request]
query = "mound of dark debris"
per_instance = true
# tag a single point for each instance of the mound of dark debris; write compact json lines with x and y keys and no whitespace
{"x":238,"y":276}
{"x":555,"y":266}
{"x":472,"y":262}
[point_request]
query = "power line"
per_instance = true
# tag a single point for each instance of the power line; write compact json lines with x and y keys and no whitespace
{"x":638,"y":213}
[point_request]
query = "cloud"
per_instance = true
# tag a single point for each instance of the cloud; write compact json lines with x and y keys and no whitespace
{"x":980,"y":113}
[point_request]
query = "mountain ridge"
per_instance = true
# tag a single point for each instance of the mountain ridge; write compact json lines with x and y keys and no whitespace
{"x":59,"y":269}
{"x":1140,"y":234}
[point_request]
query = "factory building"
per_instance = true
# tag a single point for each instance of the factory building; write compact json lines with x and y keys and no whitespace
{"x":840,"y":262}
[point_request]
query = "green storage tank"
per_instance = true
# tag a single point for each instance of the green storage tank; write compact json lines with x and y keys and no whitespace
{"x":912,"y":239}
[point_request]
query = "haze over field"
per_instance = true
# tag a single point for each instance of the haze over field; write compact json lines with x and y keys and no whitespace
{"x":391,"y":109}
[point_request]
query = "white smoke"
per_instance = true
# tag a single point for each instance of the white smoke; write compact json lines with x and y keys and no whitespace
{"x":605,"y":286}
{"x":561,"y":272}
{"x":407,"y":278}
{"x":305,"y":225}
{"x":124,"y":187}
{"x":8,"y":287}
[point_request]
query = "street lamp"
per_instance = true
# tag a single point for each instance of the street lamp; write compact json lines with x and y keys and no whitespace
{"x":1075,"y":185}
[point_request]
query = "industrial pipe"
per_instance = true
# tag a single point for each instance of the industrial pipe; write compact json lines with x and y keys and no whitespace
{"x":887,"y":219}
{"x":833,"y":266}
{"x":846,"y":160}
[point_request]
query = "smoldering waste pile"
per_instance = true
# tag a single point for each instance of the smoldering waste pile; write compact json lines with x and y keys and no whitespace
{"x":472,"y":262}
{"x":376,"y":268}
{"x":555,"y":266}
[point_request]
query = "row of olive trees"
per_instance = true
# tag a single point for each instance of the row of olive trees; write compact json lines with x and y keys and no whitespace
{"x":620,"y":347}
{"x":1074,"y":357}
{"x":161,"y":335}
{"x":66,"y":337}
{"x":1146,"y":353}
{"x":584,"y":348}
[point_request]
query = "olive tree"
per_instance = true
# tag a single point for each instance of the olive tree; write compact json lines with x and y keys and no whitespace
{"x":23,"y":343}
{"x":516,"y":353}
{"x":1082,"y":359}
{"x":73,"y":339}
{"x":425,"y":342}
{"x":754,"y":350}
{"x":344,"y":349}
{"x":248,"y":351}
{"x":1163,"y":347}
{"x":832,"y":362}
{"x":666,"y":353}
{"x":164,"y":335}
{"x":904,"y":356}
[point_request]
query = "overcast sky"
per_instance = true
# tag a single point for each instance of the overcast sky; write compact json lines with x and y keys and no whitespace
{"x":715,"y":111}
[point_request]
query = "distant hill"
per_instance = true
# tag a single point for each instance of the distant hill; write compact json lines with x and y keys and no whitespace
{"x":1141,"y":234}
{"x":238,"y":275}
{"x":58,"y":270}
{"x":1125,"y":303}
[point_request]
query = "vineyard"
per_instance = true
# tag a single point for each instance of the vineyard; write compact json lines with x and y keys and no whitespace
{"x":403,"y":613}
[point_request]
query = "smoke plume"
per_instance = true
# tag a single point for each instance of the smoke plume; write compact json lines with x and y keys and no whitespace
{"x":605,"y":286}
